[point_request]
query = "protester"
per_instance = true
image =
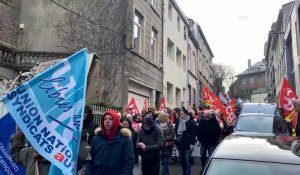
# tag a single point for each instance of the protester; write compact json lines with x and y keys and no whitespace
{"x":150,"y":143}
{"x":89,"y":125}
{"x":111,"y":149}
{"x":297,"y":109}
{"x":168,"y":134}
{"x":185,"y":140}
{"x":34,"y":163}
{"x":127,"y":124}
{"x":227,"y":129}
{"x":208,"y":133}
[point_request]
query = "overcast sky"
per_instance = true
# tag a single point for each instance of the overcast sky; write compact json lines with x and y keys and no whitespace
{"x":236,"y":30}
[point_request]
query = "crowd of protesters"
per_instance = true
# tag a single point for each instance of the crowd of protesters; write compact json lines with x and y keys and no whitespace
{"x":118,"y":145}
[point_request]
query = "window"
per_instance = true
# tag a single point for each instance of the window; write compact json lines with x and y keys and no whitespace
{"x":184,"y":32}
{"x":178,"y":23}
{"x":194,"y":96}
{"x":153,"y":46}
{"x":251,"y":79}
{"x":154,"y":4}
{"x":184,"y":63}
{"x":179,"y":58}
{"x":169,"y":93}
{"x":137,"y":33}
{"x":170,"y":12}
{"x":170,"y":51}
{"x":244,"y":81}
{"x":178,"y":97}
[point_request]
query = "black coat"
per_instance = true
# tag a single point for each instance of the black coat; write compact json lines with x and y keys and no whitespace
{"x":209,"y":131}
{"x":153,"y":141}
{"x":111,"y":157}
{"x":188,"y":136}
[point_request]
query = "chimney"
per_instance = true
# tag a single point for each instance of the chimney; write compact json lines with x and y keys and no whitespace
{"x":249,"y":63}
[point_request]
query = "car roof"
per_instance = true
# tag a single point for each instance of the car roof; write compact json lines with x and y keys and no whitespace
{"x":278,"y":149}
{"x":255,"y":115}
{"x":262,"y":104}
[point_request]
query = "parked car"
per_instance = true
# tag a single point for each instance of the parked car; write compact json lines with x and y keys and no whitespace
{"x":265,"y":108}
{"x":260,"y":124}
{"x":273,"y":155}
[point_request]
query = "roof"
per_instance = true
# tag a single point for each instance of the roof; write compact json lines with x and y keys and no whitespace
{"x":277,"y":149}
{"x":258,"y":67}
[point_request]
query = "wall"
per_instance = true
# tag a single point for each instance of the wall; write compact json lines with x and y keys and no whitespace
{"x":9,"y":22}
{"x":258,"y":98}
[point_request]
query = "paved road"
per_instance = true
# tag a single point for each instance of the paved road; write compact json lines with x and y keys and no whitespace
{"x":175,"y":168}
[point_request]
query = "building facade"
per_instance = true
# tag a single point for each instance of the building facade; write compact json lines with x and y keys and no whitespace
{"x":278,"y":60}
{"x":127,"y":36}
{"x":249,"y":81}
{"x":205,"y":56}
{"x":175,"y":55}
{"x":147,"y":49}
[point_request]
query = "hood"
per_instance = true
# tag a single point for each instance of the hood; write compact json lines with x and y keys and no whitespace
{"x":149,"y":121}
{"x":116,"y":124}
{"x":88,"y":110}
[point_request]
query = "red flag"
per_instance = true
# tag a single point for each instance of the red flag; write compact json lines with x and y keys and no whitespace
{"x":145,"y":105}
{"x":286,"y":98}
{"x":162,"y":105}
{"x":210,"y":99}
{"x":133,"y":107}
{"x":230,"y":116}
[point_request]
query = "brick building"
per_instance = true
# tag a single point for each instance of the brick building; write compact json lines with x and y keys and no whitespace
{"x":249,"y":81}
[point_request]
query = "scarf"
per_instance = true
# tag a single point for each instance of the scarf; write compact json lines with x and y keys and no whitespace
{"x":182,"y":125}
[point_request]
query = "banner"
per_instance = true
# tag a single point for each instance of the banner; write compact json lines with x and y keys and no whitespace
{"x":49,"y":110}
{"x":132,"y":105}
{"x":230,"y":116}
{"x":210,"y":99}
{"x":162,"y":105}
{"x":286,"y":98}
{"x":7,"y":165}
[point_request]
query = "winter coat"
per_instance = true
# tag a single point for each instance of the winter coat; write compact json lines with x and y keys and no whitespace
{"x":111,"y":157}
{"x":209,"y":131}
{"x":168,"y":135}
{"x":188,"y":137}
{"x":153,"y":140}
{"x":25,"y":156}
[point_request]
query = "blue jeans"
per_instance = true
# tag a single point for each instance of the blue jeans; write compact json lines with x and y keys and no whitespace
{"x":165,"y":164}
{"x":203,"y":152}
{"x":185,"y":156}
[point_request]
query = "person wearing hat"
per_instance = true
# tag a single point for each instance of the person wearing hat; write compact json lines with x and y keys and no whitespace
{"x":150,"y":143}
{"x":111,"y":149}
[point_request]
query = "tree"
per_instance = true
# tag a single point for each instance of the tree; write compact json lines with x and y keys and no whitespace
{"x":102,"y":27}
{"x":223,"y":76}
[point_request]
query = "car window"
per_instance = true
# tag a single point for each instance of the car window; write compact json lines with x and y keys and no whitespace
{"x":240,"y":167}
{"x":255,"y":124}
{"x":266,"y":109}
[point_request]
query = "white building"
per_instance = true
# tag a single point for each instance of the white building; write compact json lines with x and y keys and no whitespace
{"x":175,"y":55}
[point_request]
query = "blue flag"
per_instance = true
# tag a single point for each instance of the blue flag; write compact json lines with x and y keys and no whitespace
{"x":7,"y":165}
{"x":49,"y":110}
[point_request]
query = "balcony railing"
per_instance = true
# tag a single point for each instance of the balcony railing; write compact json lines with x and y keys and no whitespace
{"x":25,"y":60}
